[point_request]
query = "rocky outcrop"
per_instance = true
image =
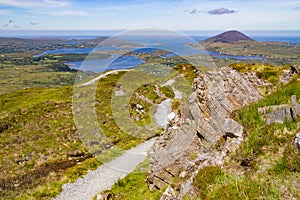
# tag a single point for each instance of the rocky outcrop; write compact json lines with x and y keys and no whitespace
{"x":206,"y":134}
{"x":281,"y":113}
{"x":287,"y":75}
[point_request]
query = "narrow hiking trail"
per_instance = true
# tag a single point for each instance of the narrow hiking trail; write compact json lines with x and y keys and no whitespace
{"x":106,"y":175}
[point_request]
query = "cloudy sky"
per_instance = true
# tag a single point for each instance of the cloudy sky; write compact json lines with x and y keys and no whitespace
{"x":135,"y":14}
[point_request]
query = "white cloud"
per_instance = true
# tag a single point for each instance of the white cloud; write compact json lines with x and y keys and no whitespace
{"x":68,"y":13}
{"x":42,"y":3}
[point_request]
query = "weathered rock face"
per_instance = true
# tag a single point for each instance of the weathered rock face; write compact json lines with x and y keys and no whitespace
{"x":281,"y":113}
{"x":207,"y":133}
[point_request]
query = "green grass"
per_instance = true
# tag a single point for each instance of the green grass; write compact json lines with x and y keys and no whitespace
{"x":13,"y":77}
{"x":187,"y":70}
{"x":133,"y":186}
{"x":263,"y":71}
{"x":40,"y":127}
{"x":205,"y":177}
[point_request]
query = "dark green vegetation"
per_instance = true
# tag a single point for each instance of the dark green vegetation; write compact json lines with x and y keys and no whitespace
{"x":205,"y":177}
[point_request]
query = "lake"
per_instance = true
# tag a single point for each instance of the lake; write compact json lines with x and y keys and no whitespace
{"x":113,"y":63}
{"x":176,"y":46}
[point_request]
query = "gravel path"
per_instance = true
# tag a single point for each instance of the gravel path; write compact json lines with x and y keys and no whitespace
{"x":164,"y":108}
{"x":102,"y":75}
{"x":106,"y":175}
{"x":162,"y":112}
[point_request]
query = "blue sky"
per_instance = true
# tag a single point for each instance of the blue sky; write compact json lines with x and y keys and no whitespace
{"x":136,"y":14}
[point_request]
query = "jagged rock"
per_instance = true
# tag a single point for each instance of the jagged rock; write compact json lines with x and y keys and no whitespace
{"x":295,"y":107}
{"x":281,"y":113}
{"x":106,"y":196}
{"x":297,"y":141}
{"x":215,"y":96}
{"x":278,"y":116}
{"x":232,"y":128}
{"x":169,"y":194}
{"x":266,"y":109}
{"x":233,"y":135}
{"x":171,"y":116}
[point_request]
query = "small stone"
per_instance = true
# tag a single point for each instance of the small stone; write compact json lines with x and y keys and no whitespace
{"x":139,"y":106}
{"x":27,"y":158}
{"x":24,"y":111}
{"x":105,"y":196}
{"x":182,"y":174}
{"x":297,"y":141}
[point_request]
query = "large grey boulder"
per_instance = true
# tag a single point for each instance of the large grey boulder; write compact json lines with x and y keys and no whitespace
{"x":278,"y":116}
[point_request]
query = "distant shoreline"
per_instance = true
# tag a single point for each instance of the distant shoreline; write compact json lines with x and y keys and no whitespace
{"x":292,"y":36}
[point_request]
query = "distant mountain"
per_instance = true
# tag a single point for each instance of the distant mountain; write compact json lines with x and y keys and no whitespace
{"x":228,"y":37}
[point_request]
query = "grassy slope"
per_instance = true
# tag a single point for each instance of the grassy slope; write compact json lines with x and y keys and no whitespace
{"x":38,"y":132}
{"x":35,"y":146}
{"x":44,"y":75}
